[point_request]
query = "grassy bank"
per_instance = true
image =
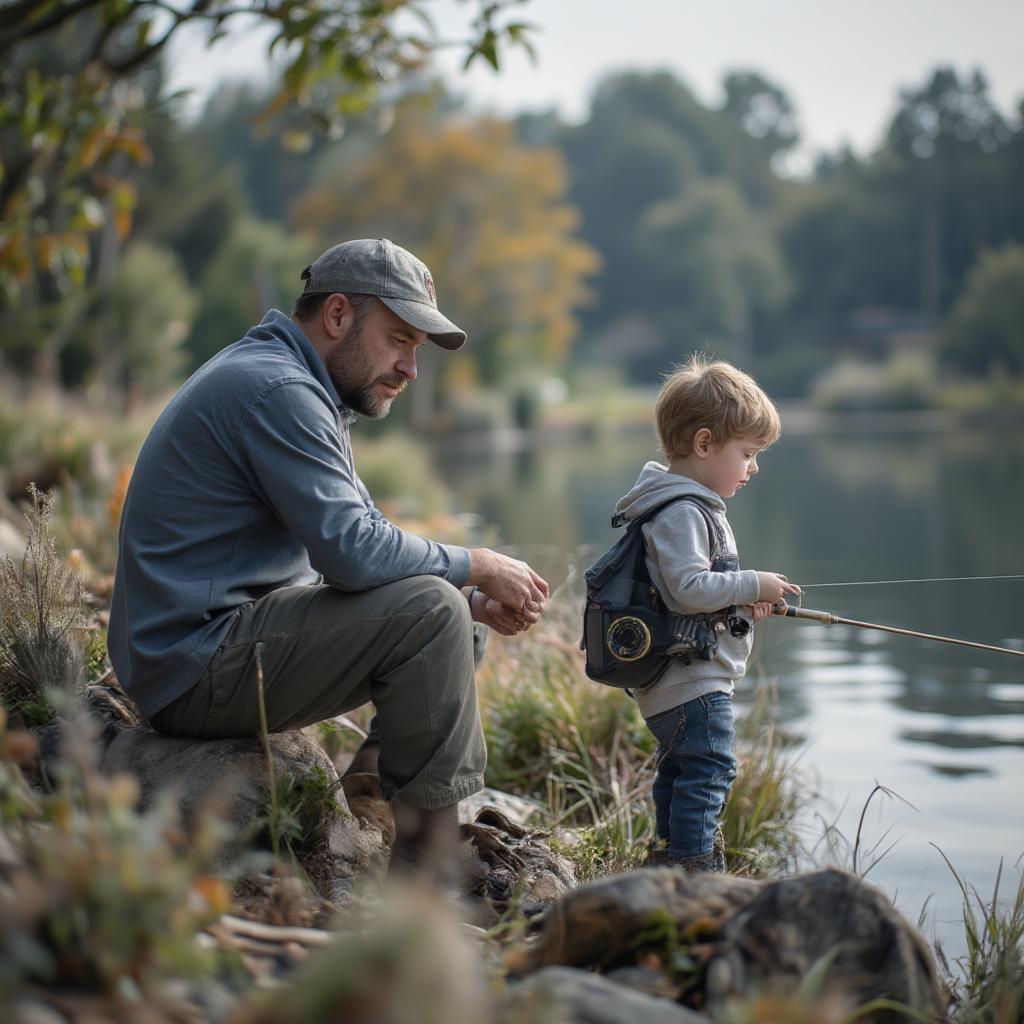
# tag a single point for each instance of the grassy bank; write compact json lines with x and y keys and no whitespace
{"x":99,"y":898}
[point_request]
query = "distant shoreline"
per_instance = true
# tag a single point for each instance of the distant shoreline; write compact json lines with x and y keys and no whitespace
{"x":798,"y":419}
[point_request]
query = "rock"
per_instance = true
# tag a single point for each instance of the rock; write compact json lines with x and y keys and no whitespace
{"x":825,"y":936}
{"x":603,"y":923}
{"x":578,"y":997}
{"x":28,"y":1011}
{"x":793,"y":924}
{"x":652,"y":981}
{"x":229,"y":776}
{"x":105,"y":711}
{"x":12,"y":542}
{"x":515,"y":808}
{"x":506,"y":863}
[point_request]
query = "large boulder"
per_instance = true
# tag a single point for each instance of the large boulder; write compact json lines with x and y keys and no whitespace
{"x":572,"y":996}
{"x":229,"y":777}
{"x":608,"y":921}
{"x":826,"y":935}
{"x":834,"y":923}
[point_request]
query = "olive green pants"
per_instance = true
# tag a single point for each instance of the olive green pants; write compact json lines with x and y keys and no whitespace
{"x":407,"y":647}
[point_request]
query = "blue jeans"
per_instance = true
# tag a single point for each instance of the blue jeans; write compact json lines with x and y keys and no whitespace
{"x":696,"y":766}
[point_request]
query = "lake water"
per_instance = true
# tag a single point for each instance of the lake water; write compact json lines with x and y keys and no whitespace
{"x":941,"y":726}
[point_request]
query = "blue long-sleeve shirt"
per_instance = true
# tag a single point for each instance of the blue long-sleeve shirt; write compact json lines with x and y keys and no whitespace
{"x":245,"y":484}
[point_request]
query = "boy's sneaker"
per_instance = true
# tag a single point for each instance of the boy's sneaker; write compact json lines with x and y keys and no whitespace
{"x":712,"y":861}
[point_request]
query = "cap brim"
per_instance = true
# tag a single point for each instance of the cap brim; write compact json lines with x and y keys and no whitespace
{"x":426,"y":318}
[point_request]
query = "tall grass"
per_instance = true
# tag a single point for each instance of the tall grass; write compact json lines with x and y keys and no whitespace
{"x":581,"y":748}
{"x":585,"y":748}
{"x":759,"y":822}
{"x":987,"y":982}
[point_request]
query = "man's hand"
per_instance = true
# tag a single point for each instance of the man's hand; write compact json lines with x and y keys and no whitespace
{"x":773,"y":587}
{"x":509,"y":582}
{"x":499,"y":617}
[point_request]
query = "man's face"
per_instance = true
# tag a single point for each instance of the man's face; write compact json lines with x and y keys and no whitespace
{"x":373,"y":362}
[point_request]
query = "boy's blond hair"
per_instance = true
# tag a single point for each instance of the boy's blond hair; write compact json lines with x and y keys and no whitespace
{"x":712,"y":394}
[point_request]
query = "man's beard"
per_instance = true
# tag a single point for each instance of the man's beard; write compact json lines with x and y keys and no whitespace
{"x":348,"y":369}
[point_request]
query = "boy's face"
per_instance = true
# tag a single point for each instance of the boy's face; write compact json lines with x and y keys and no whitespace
{"x":727,"y":467}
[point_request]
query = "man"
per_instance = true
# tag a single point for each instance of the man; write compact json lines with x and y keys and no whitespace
{"x":246,"y":531}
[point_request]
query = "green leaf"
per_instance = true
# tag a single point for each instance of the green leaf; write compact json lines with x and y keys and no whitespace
{"x":295,"y":140}
{"x":486,"y":48}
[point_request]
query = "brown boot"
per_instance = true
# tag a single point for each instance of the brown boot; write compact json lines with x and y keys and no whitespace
{"x":365,"y":759}
{"x":426,"y":842}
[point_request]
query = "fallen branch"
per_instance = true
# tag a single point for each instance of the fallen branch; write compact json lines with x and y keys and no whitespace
{"x":280,"y":934}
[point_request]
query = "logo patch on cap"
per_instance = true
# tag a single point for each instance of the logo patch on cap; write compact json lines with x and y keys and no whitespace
{"x":428,"y":283}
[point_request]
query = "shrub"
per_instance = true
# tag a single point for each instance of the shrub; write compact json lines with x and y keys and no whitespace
{"x":985,"y":328}
{"x":42,"y":612}
{"x":96,"y":895}
{"x":907,"y":381}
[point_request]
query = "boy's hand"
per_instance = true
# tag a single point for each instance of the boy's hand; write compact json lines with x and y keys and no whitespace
{"x":773,"y":586}
{"x":760,"y":610}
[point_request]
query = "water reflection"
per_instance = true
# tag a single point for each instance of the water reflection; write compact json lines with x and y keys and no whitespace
{"x":832,"y":508}
{"x":941,"y":726}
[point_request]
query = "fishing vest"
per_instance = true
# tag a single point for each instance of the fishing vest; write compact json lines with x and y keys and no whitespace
{"x":627,"y":627}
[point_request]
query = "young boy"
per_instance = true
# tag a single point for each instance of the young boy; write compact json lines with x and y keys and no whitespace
{"x":713,"y":421}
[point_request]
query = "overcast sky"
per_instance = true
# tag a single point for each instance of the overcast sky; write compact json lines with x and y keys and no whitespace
{"x":842,"y":62}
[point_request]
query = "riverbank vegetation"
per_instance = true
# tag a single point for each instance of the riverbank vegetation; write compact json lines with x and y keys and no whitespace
{"x":97,"y":897}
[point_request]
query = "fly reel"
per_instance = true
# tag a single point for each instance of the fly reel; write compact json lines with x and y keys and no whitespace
{"x":628,"y":638}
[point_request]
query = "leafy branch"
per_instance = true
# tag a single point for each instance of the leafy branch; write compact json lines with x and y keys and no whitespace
{"x":69,"y":116}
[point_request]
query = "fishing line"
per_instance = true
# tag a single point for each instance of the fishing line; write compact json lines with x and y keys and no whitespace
{"x":935,"y":579}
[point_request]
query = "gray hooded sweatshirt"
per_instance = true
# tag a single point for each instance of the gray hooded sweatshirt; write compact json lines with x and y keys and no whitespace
{"x":679,"y":560}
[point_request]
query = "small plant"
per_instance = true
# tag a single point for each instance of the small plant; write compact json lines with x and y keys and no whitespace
{"x":296,"y":806}
{"x":97,"y":661}
{"x":42,"y":611}
{"x":340,"y":735}
{"x":97,"y":896}
{"x":987,"y":983}
{"x":302,"y":802}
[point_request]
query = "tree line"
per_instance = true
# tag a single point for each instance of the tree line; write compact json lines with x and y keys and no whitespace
{"x":657,"y":225}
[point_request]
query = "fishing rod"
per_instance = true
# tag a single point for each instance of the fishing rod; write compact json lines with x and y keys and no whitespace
{"x":791,"y":612}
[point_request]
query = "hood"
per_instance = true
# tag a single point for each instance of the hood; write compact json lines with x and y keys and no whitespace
{"x":655,"y":485}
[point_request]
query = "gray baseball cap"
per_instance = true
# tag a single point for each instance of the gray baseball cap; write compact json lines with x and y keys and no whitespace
{"x":376,"y":266}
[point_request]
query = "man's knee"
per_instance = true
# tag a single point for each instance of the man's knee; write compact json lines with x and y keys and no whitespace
{"x":435,"y":599}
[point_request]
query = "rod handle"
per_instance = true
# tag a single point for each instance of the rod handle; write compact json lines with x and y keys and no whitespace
{"x":791,"y":612}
